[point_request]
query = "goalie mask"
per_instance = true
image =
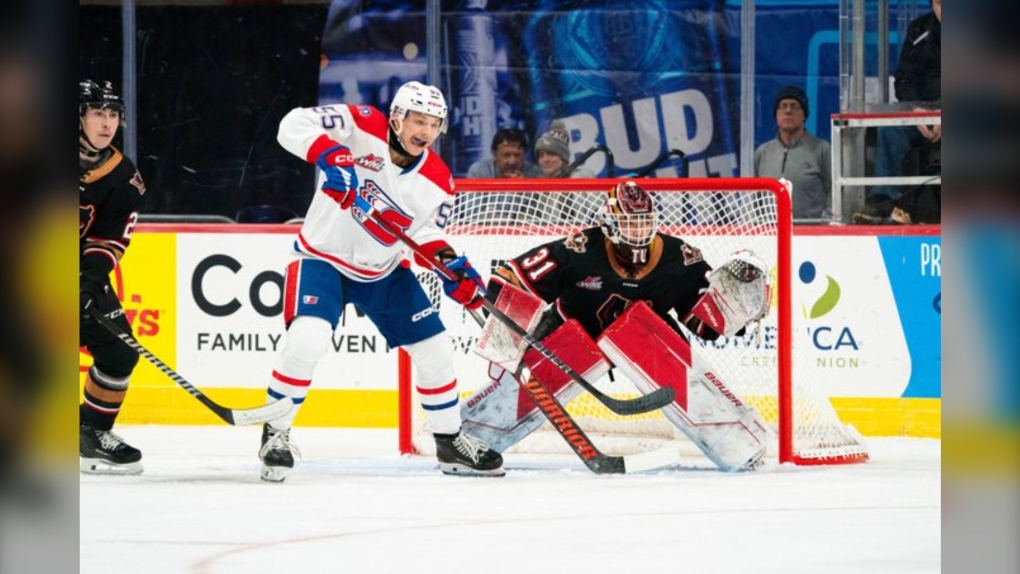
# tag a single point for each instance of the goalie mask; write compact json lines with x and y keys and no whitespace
{"x":629,"y":221}
{"x":417,"y":97}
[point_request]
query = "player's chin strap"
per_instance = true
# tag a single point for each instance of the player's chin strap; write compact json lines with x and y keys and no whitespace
{"x":650,"y":402}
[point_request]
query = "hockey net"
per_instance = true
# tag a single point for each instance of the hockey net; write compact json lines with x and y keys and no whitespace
{"x":495,"y":220}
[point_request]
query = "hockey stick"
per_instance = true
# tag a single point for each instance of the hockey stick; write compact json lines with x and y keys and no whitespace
{"x":265,"y":413}
{"x":650,"y":402}
{"x":565,"y":425}
{"x":595,"y":460}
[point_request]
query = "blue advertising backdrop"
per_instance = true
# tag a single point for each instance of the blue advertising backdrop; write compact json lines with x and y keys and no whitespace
{"x":641,"y":77}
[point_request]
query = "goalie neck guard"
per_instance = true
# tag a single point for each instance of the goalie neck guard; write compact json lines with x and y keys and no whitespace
{"x":629,"y":221}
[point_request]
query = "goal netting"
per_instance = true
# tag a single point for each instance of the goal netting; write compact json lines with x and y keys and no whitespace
{"x":497,"y":220}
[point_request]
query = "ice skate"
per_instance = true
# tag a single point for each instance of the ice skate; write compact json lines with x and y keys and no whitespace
{"x":102,"y":452}
{"x":462,"y":454}
{"x":277,"y":454}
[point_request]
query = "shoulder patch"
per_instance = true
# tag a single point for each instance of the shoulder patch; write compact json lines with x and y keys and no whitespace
{"x":369,"y":120}
{"x":691,"y":254}
{"x":576,"y":242}
{"x":139,"y":184}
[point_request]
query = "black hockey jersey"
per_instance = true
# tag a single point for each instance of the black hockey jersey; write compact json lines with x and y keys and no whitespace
{"x":590,"y":286}
{"x":109,"y":198}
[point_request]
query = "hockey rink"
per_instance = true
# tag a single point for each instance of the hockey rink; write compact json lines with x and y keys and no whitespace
{"x":355,"y":506}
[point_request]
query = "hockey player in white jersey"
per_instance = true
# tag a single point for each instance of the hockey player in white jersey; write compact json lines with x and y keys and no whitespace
{"x":374,"y":161}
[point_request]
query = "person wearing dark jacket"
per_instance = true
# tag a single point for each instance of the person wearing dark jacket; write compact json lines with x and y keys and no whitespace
{"x":918,"y":83}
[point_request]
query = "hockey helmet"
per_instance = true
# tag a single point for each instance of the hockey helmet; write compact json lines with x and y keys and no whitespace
{"x":101,"y":96}
{"x":629,"y":216}
{"x":418,"y":97}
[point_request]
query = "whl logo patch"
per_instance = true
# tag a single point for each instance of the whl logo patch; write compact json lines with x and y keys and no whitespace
{"x":829,"y":298}
{"x":591,"y":283}
{"x":371,"y":161}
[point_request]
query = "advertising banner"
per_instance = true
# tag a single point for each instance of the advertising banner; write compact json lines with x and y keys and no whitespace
{"x":868,"y":311}
{"x":230,"y":324}
{"x":660,"y":75}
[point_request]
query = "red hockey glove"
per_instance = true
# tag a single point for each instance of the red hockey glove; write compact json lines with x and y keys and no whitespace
{"x":465,"y":289}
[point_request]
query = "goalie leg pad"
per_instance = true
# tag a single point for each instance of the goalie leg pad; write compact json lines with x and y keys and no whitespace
{"x":502,"y":413}
{"x":730,"y":433}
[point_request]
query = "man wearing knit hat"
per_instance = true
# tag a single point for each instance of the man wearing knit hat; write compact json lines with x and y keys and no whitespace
{"x":552,"y":152}
{"x":796,"y":155}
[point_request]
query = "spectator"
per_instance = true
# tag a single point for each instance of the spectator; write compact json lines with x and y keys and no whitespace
{"x":798,"y":156}
{"x":918,"y":83}
{"x":552,"y":152}
{"x":509,"y":147}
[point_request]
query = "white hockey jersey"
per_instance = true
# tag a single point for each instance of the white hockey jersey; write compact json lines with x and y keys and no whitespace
{"x":417,"y":199}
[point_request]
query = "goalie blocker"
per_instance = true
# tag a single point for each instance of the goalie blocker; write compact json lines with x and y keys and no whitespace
{"x":730,"y":433}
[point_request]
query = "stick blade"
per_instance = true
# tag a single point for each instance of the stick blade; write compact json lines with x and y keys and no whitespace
{"x":644,"y":461}
{"x":265,"y":413}
{"x":652,"y":401}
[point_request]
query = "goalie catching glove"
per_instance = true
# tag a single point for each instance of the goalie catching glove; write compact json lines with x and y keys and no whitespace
{"x":738,"y":294}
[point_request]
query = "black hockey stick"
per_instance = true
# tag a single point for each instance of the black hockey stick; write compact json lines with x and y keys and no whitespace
{"x":650,"y":402}
{"x":595,"y":460}
{"x":257,"y":415}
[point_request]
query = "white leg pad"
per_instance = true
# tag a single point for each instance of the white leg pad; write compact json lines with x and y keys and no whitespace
{"x":502,"y":413}
{"x":652,"y":355}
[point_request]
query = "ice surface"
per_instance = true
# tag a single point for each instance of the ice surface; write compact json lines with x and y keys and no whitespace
{"x":355,"y":506}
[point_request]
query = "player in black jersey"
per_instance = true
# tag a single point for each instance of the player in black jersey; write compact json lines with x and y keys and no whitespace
{"x":591,"y":278}
{"x":595,"y":274}
{"x":110,"y":193}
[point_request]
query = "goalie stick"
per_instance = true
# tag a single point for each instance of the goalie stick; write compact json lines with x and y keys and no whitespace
{"x":646,"y":403}
{"x":592,"y":457}
{"x":566,"y":426}
{"x":257,"y":415}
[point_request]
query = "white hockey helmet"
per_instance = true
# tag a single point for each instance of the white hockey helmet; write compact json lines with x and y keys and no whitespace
{"x":417,"y":97}
{"x":630,"y":216}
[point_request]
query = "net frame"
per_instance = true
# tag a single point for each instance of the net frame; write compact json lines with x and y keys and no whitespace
{"x":560,"y":192}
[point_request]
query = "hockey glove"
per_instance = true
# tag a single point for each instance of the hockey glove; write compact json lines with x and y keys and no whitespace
{"x":738,"y":294}
{"x":465,"y":289}
{"x":341,"y":182}
{"x":90,"y":290}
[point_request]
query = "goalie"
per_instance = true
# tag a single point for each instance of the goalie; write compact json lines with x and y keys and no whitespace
{"x":621,"y":282}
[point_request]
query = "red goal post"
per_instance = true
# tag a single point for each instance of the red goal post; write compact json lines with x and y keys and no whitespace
{"x":495,"y":220}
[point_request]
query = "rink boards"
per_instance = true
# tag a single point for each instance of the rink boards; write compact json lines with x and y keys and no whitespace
{"x":206,"y":300}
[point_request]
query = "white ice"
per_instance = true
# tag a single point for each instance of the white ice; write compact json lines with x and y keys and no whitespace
{"x":355,"y":506}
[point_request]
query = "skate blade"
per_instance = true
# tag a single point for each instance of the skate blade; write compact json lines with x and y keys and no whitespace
{"x":456,"y":469}
{"x":100,"y":466}
{"x":274,"y":473}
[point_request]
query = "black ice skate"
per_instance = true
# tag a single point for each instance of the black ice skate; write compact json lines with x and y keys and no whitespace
{"x":465,"y":455}
{"x":102,"y":452}
{"x":277,"y":454}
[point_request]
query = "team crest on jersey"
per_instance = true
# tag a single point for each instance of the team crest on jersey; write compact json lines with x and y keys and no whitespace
{"x":692,"y":254}
{"x":371,"y":161}
{"x":591,"y":283}
{"x":365,"y":110}
{"x":576,"y":242}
